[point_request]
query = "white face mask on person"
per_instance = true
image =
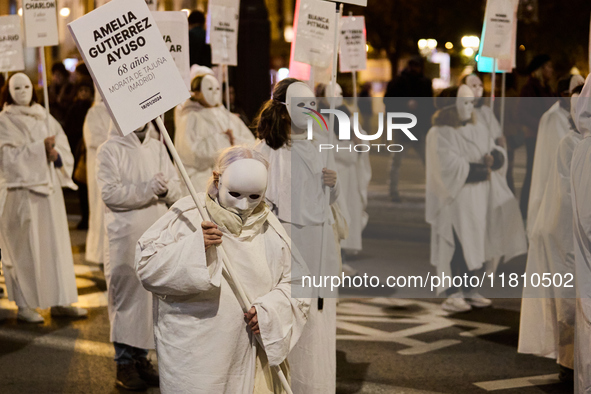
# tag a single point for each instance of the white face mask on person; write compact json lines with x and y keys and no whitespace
{"x":475,"y":83}
{"x":21,"y":89}
{"x":465,"y":103}
{"x":299,"y":99}
{"x":210,"y":88}
{"x":242,"y":187}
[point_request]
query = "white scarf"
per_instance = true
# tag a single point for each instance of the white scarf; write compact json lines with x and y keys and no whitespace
{"x":35,"y":110}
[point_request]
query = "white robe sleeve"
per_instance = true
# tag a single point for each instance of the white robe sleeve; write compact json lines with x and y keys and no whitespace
{"x":116,"y":195}
{"x":24,"y":165}
{"x":242,"y":134}
{"x":174,"y":183}
{"x":62,"y":146}
{"x":171,"y":258}
{"x":199,"y":144}
{"x":282,"y":317}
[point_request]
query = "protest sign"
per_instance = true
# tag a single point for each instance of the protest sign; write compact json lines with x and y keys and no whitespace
{"x":175,"y":31}
{"x":40,"y":19}
{"x":223,"y":34}
{"x":315,"y":30}
{"x":353,"y":44}
{"x":11,"y":44}
{"x":129,"y":62}
{"x":500,"y":18}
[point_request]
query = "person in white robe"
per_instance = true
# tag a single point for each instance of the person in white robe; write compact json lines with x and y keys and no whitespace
{"x":205,"y":341}
{"x":297,"y":179}
{"x":580,"y":192}
{"x":96,"y":132}
{"x":506,"y":237}
{"x":460,"y":159}
{"x":35,"y":163}
{"x":203,"y":128}
{"x":136,"y":180}
{"x":548,"y":313}
{"x":554,"y":125}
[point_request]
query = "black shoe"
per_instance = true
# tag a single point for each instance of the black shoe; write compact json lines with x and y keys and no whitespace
{"x":565,"y":374}
{"x":129,"y":379}
{"x":147,"y":372}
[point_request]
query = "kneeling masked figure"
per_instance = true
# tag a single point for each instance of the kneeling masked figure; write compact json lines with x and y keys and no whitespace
{"x":205,"y":342}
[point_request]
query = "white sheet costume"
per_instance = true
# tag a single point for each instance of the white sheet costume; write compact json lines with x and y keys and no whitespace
{"x":34,"y":236}
{"x":202,"y":341}
{"x":125,"y":169}
{"x":295,"y":192}
{"x":548,"y":313}
{"x":580,"y":192}
{"x":201,"y":131}
{"x":554,"y":125}
{"x":96,"y":132}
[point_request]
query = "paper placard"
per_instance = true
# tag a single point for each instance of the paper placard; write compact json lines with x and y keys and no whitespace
{"x":11,"y":44}
{"x":362,"y":3}
{"x":315,"y":32}
{"x":152,"y":5}
{"x":129,"y":62}
{"x":175,"y":31}
{"x":500,"y":17}
{"x":223,"y":34}
{"x":353,"y":53}
{"x":40,"y":20}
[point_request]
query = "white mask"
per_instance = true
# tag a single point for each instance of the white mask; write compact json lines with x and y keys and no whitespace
{"x":242,"y":187}
{"x":465,"y":103}
{"x":210,"y":87}
{"x":21,"y":89}
{"x":337,"y":94}
{"x":573,"y":104}
{"x":298,"y":97}
{"x":475,"y":84}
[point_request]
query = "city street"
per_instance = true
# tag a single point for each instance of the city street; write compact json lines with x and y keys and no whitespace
{"x":385,"y":344}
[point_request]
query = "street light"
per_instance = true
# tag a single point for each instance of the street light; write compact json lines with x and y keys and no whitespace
{"x":431,"y":43}
{"x":422,"y":44}
{"x":65,"y":12}
{"x":472,"y":42}
{"x":449,"y":45}
{"x":469,"y":52}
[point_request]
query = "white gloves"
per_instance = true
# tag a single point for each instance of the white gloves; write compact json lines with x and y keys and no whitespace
{"x":158,"y":185}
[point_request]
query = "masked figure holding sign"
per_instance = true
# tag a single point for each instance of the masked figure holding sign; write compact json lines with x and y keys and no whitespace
{"x":297,"y":179}
{"x":35,"y":163}
{"x":136,"y":179}
{"x":205,"y":342}
{"x":204,"y":128}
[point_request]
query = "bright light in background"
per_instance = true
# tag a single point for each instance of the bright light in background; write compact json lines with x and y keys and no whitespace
{"x":522,"y":47}
{"x":422,"y":43}
{"x":65,"y":12}
{"x":470,"y":42}
{"x":20,"y":11}
{"x":288,"y":33}
{"x":449,"y":45}
{"x":186,"y":11}
{"x":366,"y":47}
{"x":70,"y":64}
{"x":468,"y":52}
{"x":282,"y":73}
{"x":431,"y":43}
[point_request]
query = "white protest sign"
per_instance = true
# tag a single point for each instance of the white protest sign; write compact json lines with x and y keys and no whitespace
{"x":40,"y":19}
{"x":314,"y":36}
{"x":152,"y":4}
{"x":174,"y":27}
{"x":353,"y":46}
{"x":223,"y":34}
{"x":362,"y":3}
{"x":11,"y":44}
{"x":500,"y":17}
{"x":129,"y":62}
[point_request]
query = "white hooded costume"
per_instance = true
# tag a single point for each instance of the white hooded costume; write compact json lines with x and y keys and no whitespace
{"x":125,"y":169}
{"x":548,"y":313}
{"x":200,"y":133}
{"x":34,"y":235}
{"x":580,"y":192}
{"x":479,"y":213}
{"x":296,"y":193}
{"x":96,"y":132}
{"x":202,"y":341}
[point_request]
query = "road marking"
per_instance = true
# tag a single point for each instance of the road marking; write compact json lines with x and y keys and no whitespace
{"x":59,"y":342}
{"x":428,"y":317}
{"x":529,"y":381}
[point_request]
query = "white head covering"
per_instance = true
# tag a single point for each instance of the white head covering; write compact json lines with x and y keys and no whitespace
{"x":575,"y":81}
{"x":582,"y":116}
{"x":198,"y":71}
